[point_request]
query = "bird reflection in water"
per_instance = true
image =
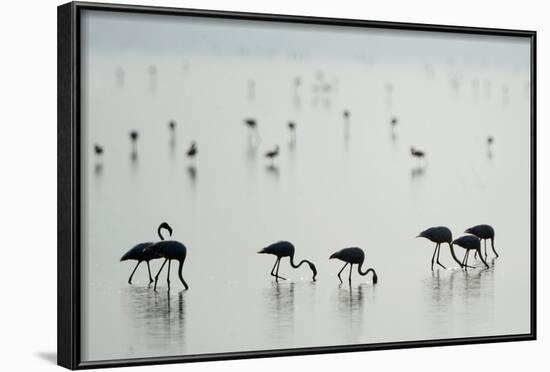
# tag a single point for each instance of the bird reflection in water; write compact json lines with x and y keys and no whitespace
{"x":351,"y":301}
{"x":158,"y":318}
{"x":280,"y":302}
{"x":192,"y":172}
{"x":273,"y":170}
{"x":418,"y":171}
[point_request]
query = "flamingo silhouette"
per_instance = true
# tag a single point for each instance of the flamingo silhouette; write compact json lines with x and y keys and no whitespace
{"x":285,"y":249}
{"x":484,"y":232}
{"x":169,"y":250}
{"x":352,"y":256}
{"x":439,"y":235}
{"x":98,"y":149}
{"x":469,"y":243}
{"x":192,"y":152}
{"x":272,"y":154}
{"x":140,"y":253}
{"x":252,"y":124}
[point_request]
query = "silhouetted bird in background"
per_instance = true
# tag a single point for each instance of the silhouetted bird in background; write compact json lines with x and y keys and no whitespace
{"x":490,"y":141}
{"x":470,"y":243}
{"x":484,"y":232}
{"x":393,"y":121}
{"x":273,"y":153}
{"x":172,"y":125}
{"x":192,"y":152}
{"x":98,"y":149}
{"x":353,"y":256}
{"x":439,"y":235}
{"x":285,"y":249}
{"x":346,"y":114}
{"x":139,"y":253}
{"x":252,"y":125}
{"x":417,"y":153}
{"x":292,"y":128}
{"x":169,"y":250}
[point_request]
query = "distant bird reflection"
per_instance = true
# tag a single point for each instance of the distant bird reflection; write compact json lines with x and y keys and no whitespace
{"x":273,"y":169}
{"x":192,"y":171}
{"x":418,"y":171}
{"x":119,"y":76}
{"x":152,"y":71}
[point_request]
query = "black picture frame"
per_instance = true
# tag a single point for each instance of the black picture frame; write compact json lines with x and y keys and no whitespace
{"x":69,"y":197}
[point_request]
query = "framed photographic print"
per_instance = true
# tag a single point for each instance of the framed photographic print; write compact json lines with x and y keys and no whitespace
{"x":236,"y":185}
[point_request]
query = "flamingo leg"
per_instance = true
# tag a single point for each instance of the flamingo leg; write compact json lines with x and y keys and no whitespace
{"x":277,"y":272}
{"x":482,"y":259}
{"x":168,"y":274}
{"x":132,"y":274}
{"x":465,"y":257}
{"x":275,"y":265}
{"x":181,"y":276}
{"x":493,"y":247}
{"x":466,"y":264}
{"x":340,"y":272}
{"x":157,"y":276}
{"x":437,"y":260}
{"x":485,"y":243}
{"x":433,"y":257}
{"x":350,"y":268}
{"x":149,"y":270}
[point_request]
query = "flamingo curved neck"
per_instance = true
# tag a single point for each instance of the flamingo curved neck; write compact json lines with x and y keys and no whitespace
{"x":159,"y":232}
{"x":299,"y":264}
{"x":360,"y":270}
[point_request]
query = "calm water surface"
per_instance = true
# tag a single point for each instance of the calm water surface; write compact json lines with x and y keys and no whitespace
{"x":332,"y":187}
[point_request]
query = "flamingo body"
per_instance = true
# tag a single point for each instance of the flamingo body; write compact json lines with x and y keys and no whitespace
{"x":353,"y":256}
{"x":283,"y":249}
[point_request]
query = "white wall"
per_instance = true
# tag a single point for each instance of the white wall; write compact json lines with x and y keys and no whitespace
{"x":28,"y":181}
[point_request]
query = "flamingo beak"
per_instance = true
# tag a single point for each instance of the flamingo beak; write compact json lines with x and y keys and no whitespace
{"x":332,"y":256}
{"x":261,"y":250}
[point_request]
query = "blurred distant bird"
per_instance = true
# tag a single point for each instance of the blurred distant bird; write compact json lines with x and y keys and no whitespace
{"x":172,"y":125}
{"x":292,"y":128}
{"x":439,"y":235}
{"x":98,"y":149}
{"x":353,"y":256}
{"x":252,"y":125}
{"x":469,"y":243}
{"x":346,"y":114}
{"x":490,"y":141}
{"x":417,"y":153}
{"x":273,"y":153}
{"x":192,"y":152}
{"x":134,"y":135}
{"x":393,"y":121}
{"x":169,"y":250}
{"x":285,"y":249}
{"x":139,"y":253}
{"x":484,"y":232}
